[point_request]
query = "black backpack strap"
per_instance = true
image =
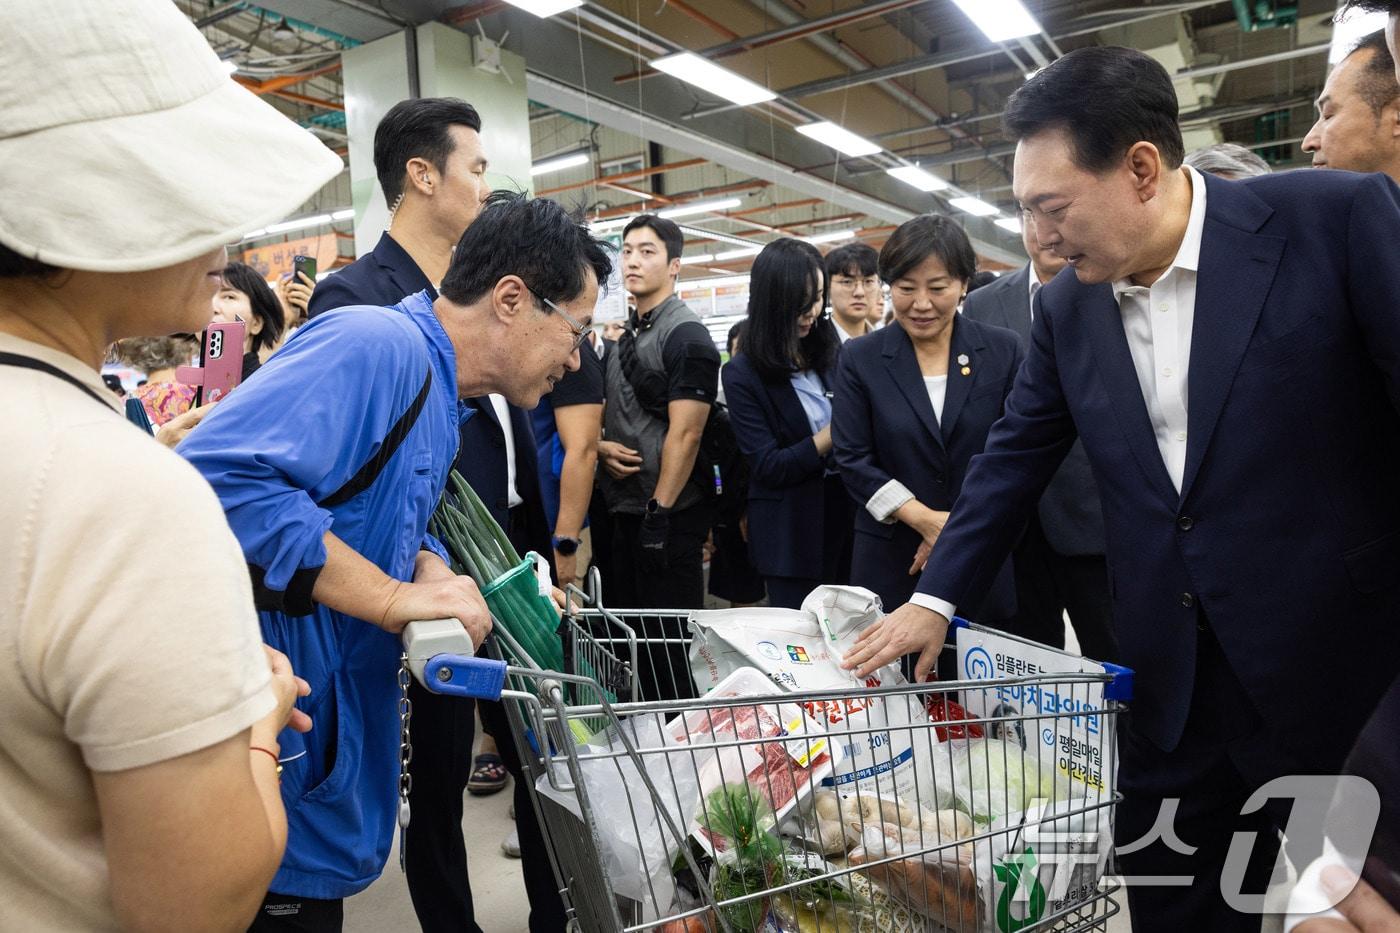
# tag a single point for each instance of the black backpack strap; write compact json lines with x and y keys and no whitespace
{"x":28,"y":362}
{"x":368,"y":473}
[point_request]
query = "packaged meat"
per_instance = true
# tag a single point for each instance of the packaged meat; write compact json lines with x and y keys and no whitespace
{"x":729,"y":747}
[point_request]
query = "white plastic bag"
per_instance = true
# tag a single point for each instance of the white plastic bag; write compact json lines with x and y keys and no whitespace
{"x":888,"y":743}
{"x":637,"y":848}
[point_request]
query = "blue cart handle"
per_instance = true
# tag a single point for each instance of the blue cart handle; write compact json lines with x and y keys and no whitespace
{"x":440,"y":655}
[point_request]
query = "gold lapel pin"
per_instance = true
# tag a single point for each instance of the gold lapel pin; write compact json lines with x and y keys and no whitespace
{"x":963,"y":361}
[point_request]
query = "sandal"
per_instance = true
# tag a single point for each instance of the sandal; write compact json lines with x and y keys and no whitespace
{"x":489,"y":776}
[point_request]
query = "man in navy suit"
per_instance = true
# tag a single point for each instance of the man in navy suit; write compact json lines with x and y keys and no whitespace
{"x":1229,"y":354}
{"x":431,"y":166}
{"x":1059,"y":564}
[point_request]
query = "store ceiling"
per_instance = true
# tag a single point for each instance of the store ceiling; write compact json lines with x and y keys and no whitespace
{"x":915,"y":76}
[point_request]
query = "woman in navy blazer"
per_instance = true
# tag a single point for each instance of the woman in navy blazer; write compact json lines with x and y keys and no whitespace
{"x":914,"y":402}
{"x":778,"y":393}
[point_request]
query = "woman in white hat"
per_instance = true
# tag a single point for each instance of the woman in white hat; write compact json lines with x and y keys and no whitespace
{"x":138,"y":755}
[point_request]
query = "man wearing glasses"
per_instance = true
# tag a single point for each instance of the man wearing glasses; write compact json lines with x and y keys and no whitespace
{"x":330,"y":501}
{"x":856,"y":297}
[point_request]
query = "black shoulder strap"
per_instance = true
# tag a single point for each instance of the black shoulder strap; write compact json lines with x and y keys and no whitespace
{"x":368,"y":473}
{"x":28,"y":362}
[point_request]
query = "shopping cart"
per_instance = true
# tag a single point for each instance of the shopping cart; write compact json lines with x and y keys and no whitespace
{"x":658,"y":817}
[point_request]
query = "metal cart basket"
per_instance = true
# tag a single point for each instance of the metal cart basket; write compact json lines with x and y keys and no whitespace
{"x":669,"y":812}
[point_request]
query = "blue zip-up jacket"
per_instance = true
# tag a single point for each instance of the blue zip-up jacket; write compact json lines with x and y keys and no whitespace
{"x":302,"y":425}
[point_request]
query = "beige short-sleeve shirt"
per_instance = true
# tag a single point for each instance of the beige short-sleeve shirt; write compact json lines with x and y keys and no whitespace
{"x":127,"y":630}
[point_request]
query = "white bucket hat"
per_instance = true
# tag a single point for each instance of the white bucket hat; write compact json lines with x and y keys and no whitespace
{"x":126,"y":146}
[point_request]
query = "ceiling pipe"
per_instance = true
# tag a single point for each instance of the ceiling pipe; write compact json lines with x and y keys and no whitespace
{"x":623,"y":176}
{"x":1205,"y":70}
{"x":932,"y":62}
{"x":786,"y":34}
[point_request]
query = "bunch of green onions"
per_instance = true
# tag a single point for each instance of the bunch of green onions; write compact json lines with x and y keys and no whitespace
{"x":479,"y":548}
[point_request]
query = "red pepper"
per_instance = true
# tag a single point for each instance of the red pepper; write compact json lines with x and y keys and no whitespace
{"x":942,"y":709}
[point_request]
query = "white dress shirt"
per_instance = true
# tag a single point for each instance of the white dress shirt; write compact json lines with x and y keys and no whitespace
{"x":498,"y":402}
{"x":1157,"y":320}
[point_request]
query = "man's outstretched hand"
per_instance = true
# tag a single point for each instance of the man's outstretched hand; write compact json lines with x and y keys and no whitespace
{"x":907,"y":630}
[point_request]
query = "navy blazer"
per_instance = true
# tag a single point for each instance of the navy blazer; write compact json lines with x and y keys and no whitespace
{"x":384,"y":276}
{"x":1069,"y":511}
{"x":883,"y":428}
{"x":787,"y":493}
{"x":1285,"y":536}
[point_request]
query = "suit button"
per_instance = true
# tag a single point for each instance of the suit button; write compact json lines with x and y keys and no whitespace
{"x":1187,"y":600}
{"x":1185,"y":523}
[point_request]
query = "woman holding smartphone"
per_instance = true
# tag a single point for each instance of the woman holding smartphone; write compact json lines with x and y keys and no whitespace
{"x":779,"y":398}
{"x":139,"y":746}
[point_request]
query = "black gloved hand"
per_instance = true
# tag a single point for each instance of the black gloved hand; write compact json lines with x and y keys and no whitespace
{"x":656,"y":528}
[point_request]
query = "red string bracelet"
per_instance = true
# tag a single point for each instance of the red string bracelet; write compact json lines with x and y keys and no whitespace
{"x":271,"y":754}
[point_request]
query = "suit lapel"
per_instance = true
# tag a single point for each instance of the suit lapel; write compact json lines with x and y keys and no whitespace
{"x":1016,"y":303}
{"x":788,"y":406}
{"x":1115,"y":364}
{"x":965,"y":344}
{"x":1236,"y":270}
{"x":904,"y":369}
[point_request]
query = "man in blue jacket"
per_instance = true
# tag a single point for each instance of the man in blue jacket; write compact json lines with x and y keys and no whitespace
{"x":1229,"y":354}
{"x":329,"y":465}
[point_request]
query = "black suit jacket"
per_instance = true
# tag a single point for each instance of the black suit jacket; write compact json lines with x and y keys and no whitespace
{"x":384,"y":276}
{"x":883,"y":427}
{"x":1284,"y":538}
{"x":1070,"y":513}
{"x":788,"y":525}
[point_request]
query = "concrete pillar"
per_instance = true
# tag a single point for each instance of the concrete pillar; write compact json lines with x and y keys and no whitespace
{"x":377,"y":75}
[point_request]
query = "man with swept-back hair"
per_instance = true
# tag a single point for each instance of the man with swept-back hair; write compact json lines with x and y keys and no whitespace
{"x":331,"y":499}
{"x":1229,"y":354}
{"x":1358,"y":113}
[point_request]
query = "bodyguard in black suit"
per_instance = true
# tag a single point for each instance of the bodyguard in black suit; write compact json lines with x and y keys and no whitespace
{"x":1229,"y":354}
{"x":902,"y":461}
{"x":777,"y":391}
{"x":432,"y":203}
{"x":1059,"y":564}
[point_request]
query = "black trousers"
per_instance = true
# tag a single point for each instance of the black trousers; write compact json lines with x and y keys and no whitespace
{"x":443,"y":730}
{"x":681,"y":584}
{"x":1226,"y":753}
{"x":288,"y":913}
{"x":663,"y":663}
{"x":1049,"y":584}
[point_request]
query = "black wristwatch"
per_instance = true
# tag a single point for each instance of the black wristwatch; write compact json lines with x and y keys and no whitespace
{"x":656,"y":508}
{"x":566,"y":546}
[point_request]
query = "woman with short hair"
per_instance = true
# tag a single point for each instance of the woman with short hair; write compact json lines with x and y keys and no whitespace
{"x":914,"y":402}
{"x":245,"y":296}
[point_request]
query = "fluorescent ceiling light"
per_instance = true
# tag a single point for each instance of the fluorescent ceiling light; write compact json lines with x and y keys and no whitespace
{"x":559,"y":163}
{"x":913,"y":175}
{"x":713,"y":235}
{"x":699,"y":207}
{"x":974,"y":206}
{"x":301,"y":223}
{"x":1000,"y":20}
{"x":1010,"y":223}
{"x":717,"y":282}
{"x":839,"y":138}
{"x":612,"y":223}
{"x":703,"y":257}
{"x":830,"y":237}
{"x":708,"y":76}
{"x":543,"y":8}
{"x":1349,"y":28}
{"x":738,"y":253}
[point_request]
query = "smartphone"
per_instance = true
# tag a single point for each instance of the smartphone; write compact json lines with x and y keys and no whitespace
{"x":305,"y":264}
{"x":220,"y":366}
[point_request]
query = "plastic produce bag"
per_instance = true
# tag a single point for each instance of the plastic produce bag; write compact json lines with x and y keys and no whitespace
{"x":636,"y":846}
{"x":993,"y":778}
